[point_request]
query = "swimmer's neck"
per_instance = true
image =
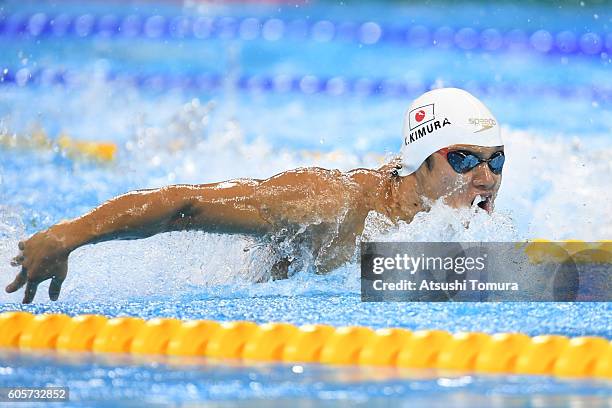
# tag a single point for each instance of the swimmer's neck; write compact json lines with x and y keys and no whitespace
{"x":399,"y":198}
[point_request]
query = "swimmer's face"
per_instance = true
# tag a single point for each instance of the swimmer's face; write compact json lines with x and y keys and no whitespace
{"x":439,"y":179}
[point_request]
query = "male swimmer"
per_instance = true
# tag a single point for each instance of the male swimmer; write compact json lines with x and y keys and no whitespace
{"x":452,"y":149}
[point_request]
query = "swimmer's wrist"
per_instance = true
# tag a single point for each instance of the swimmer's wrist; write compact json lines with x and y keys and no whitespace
{"x":66,"y":236}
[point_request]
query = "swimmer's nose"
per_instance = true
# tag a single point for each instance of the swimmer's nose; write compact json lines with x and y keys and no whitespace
{"x":483,"y":177}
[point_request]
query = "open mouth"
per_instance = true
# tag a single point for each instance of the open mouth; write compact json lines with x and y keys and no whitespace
{"x":483,"y":201}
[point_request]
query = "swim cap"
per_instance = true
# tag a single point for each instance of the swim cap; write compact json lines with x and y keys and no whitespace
{"x":441,"y":118}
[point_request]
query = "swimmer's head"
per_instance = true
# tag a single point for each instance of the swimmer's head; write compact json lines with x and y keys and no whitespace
{"x":452,"y":146}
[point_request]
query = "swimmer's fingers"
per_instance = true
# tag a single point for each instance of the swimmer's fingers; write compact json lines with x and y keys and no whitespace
{"x":56,"y":282}
{"x":19,"y":281}
{"x":55,"y":287}
{"x":18,"y":260}
{"x":30,"y":292}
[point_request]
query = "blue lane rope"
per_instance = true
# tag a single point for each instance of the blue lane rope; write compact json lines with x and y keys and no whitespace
{"x":307,"y":84}
{"x":542,"y":41}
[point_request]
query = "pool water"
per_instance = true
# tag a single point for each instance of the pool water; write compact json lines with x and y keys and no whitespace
{"x":164,"y":382}
{"x":253,"y":90}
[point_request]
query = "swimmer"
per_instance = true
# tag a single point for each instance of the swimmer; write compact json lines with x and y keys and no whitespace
{"x":452,"y":149}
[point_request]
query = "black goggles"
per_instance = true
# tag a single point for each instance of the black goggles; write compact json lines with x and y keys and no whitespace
{"x":463,"y":161}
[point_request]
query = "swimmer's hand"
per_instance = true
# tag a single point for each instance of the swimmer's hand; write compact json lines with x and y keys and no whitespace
{"x":41,"y":257}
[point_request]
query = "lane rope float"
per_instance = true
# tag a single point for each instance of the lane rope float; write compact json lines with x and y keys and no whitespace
{"x":577,"y":251}
{"x":332,"y":86}
{"x":502,"y":353}
{"x":99,"y":151}
{"x":418,"y":36}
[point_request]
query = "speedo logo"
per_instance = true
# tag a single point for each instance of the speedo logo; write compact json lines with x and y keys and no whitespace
{"x":483,"y":123}
{"x":425,"y":130}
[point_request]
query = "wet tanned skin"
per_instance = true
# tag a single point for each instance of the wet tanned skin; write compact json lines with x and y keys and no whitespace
{"x":333,"y":206}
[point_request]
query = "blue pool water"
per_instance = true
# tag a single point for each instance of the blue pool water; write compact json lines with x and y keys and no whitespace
{"x":323,"y":84}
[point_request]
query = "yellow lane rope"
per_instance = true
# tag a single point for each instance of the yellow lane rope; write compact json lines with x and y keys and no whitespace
{"x":541,"y":250}
{"x":504,"y":353}
{"x":38,"y":139}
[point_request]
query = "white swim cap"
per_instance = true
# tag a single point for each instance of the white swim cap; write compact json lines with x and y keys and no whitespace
{"x":441,"y":118}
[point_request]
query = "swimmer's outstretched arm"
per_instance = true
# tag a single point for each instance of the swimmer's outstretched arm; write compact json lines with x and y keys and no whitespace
{"x":240,"y":206}
{"x":222,"y":207}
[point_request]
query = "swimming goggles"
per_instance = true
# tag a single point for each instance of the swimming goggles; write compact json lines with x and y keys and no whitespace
{"x":463,"y":161}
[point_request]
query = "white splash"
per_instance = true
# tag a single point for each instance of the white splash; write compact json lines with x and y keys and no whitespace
{"x":444,"y":224}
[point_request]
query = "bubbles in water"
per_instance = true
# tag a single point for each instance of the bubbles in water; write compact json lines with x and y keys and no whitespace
{"x":443,"y":223}
{"x":164,"y":266}
{"x":11,"y":231}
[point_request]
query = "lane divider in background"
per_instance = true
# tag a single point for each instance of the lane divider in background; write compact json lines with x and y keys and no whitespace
{"x":574,"y":251}
{"x":507,"y":353}
{"x":104,"y":152}
{"x":99,"y":151}
{"x":86,"y":149}
{"x":306,"y":84}
{"x":154,"y":27}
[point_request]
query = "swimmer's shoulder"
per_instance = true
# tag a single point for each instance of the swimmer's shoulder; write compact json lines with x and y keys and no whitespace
{"x":306,"y":174}
{"x":357,"y":181}
{"x":382,"y":174}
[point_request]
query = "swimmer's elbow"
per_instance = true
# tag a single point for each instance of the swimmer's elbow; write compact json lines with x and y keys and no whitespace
{"x":184,"y":217}
{"x":209,"y":208}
